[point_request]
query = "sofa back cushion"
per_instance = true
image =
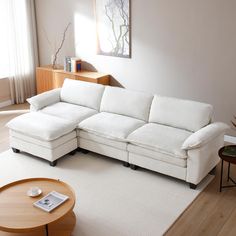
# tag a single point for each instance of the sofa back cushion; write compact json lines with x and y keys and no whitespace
{"x":184,"y":114}
{"x":126,"y":102}
{"x":82,"y":93}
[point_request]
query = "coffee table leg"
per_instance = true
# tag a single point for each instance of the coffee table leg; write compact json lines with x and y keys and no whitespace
{"x":46,"y":229}
{"x":221,"y":174}
{"x":228,"y":171}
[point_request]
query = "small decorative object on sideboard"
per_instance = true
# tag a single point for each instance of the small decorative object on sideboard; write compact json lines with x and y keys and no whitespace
{"x":72,"y":64}
{"x":67,"y":63}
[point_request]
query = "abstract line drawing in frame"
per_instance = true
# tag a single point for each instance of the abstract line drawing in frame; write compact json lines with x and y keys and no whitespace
{"x":113,"y":28}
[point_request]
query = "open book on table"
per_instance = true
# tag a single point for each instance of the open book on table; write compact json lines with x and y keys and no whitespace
{"x":51,"y":201}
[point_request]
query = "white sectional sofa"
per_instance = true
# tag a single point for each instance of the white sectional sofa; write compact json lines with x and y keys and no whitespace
{"x":171,"y":136}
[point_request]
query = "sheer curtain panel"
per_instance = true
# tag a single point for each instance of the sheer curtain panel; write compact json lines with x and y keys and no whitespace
{"x":19,"y":47}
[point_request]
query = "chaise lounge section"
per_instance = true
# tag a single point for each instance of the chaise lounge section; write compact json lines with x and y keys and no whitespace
{"x":43,"y":135}
{"x":172,"y":136}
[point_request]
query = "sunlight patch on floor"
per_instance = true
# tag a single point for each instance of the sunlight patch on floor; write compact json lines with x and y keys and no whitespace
{"x":13,"y":112}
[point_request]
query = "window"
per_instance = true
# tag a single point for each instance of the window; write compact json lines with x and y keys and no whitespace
{"x":14,"y":39}
{"x":4,"y":59}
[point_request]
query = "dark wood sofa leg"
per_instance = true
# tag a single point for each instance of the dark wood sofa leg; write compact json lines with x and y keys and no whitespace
{"x":15,"y":150}
{"x":133,"y":167}
{"x":213,"y":171}
{"x":84,"y":151}
{"x":126,"y":164}
{"x":192,"y":186}
{"x":72,"y":152}
{"x":53,"y":163}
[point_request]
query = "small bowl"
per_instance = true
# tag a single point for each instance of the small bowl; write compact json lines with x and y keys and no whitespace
{"x":34,"y":192}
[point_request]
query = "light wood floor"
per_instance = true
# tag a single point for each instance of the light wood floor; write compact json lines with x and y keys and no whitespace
{"x":211,"y":214}
{"x":6,"y":114}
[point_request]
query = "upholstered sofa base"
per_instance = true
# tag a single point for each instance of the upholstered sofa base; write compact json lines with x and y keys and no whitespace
{"x":48,"y":150}
{"x":200,"y":162}
{"x":103,"y":149}
{"x":158,"y":166}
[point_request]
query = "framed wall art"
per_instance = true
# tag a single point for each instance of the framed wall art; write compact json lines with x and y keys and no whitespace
{"x":113,"y":28}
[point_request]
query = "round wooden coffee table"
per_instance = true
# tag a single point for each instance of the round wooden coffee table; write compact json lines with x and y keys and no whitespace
{"x":18,"y":215}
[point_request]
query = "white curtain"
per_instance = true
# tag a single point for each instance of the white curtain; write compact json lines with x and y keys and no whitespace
{"x":20,"y":52}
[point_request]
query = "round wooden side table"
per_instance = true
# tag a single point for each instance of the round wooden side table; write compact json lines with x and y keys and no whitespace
{"x":19,"y":216}
{"x":228,"y":154}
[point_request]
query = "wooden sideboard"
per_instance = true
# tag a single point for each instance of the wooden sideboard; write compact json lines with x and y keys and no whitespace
{"x":48,"y":78}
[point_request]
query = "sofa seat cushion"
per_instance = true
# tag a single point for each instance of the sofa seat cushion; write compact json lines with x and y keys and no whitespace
{"x":69,"y":111}
{"x":159,"y":156}
{"x":42,"y":143}
{"x":161,"y":138}
{"x":111,"y":125}
{"x":41,"y":126}
{"x":102,"y":140}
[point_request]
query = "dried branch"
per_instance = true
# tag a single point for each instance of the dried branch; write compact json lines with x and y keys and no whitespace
{"x":60,"y":47}
{"x":124,"y":39}
{"x":234,"y":124}
{"x":46,"y":37}
{"x":114,"y":9}
{"x":125,"y":18}
{"x":112,"y":21}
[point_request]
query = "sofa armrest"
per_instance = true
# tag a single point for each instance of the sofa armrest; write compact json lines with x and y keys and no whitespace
{"x":204,"y":135}
{"x":44,"y":99}
{"x":202,"y":160}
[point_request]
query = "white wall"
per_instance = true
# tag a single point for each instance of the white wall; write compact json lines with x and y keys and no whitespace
{"x":184,"y":48}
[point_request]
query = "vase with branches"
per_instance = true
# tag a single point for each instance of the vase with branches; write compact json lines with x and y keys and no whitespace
{"x":233,"y":122}
{"x":56,"y":49}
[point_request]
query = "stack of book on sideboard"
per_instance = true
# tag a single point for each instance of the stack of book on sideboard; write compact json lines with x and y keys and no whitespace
{"x":72,"y":64}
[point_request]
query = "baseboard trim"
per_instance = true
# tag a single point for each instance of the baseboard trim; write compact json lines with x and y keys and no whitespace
{"x":5,"y":103}
{"x":230,"y":139}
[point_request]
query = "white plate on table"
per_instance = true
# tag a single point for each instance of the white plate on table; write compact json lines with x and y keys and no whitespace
{"x":34,"y":193}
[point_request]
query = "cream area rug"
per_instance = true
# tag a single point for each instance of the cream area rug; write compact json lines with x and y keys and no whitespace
{"x":112,"y":200}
